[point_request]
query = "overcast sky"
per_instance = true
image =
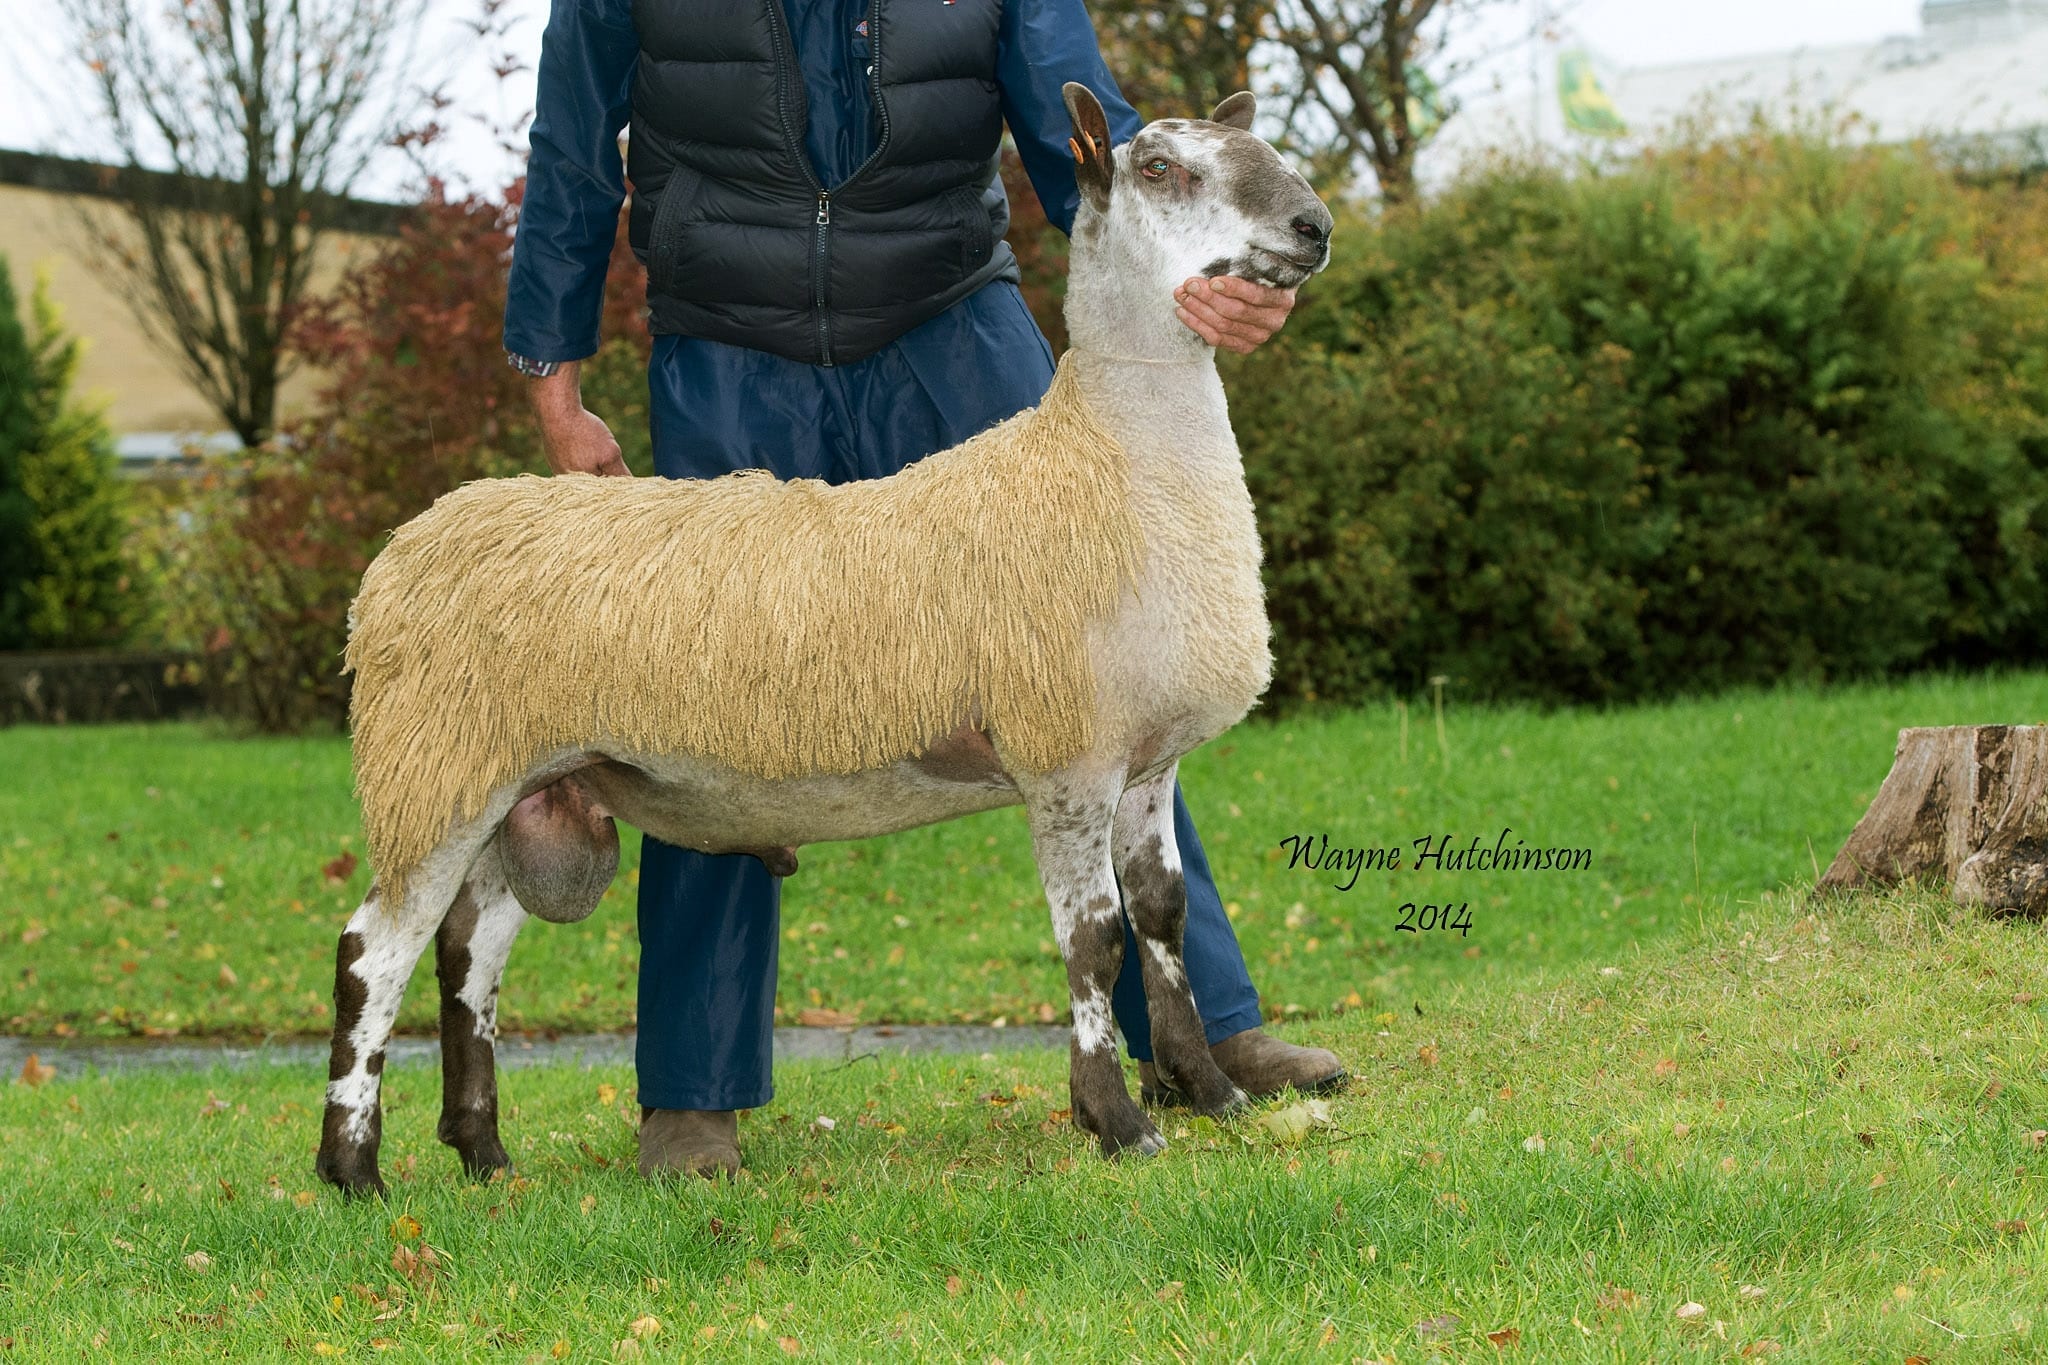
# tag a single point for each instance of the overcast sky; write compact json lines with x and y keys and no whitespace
{"x":39,"y":111}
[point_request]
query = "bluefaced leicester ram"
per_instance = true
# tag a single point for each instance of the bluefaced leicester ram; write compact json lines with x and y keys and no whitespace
{"x":1049,"y":615}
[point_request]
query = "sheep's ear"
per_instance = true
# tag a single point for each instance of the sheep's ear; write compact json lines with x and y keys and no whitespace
{"x":1236,"y":111}
{"x":1093,"y":169}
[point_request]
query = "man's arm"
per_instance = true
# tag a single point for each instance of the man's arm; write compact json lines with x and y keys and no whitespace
{"x":1045,"y":44}
{"x":575,"y":183}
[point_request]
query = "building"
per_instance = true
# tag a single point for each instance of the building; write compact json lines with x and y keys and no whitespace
{"x":154,"y":412}
{"x":1974,"y":77}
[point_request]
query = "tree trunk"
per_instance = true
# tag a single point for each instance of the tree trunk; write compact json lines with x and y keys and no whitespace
{"x":1967,"y":803}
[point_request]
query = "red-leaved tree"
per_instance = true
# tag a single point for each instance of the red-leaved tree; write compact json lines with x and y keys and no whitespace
{"x":417,"y":399}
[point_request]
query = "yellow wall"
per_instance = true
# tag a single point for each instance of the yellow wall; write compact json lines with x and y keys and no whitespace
{"x":140,"y":385}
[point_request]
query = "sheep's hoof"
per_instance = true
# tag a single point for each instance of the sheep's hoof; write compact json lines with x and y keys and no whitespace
{"x":1130,"y":1135}
{"x":1219,"y":1098}
{"x":1149,"y":1144}
{"x":353,"y":1180}
{"x":1230,"y":1104}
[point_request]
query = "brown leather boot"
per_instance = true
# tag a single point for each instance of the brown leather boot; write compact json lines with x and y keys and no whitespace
{"x":1261,"y":1065}
{"x":702,"y":1142}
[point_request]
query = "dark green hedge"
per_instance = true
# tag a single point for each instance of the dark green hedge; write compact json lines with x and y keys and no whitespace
{"x":1767,"y":408}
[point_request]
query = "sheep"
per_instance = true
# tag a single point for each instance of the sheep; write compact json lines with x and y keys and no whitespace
{"x":1050,"y":615}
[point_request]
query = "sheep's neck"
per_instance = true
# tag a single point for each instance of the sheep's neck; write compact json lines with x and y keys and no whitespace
{"x":1115,"y":306}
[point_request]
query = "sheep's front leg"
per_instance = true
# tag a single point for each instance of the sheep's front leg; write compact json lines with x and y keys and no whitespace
{"x":1156,"y":899}
{"x":469,"y":959}
{"x":1070,"y":835}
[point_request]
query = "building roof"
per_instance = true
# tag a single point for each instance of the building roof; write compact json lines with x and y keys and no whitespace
{"x":1977,"y":73}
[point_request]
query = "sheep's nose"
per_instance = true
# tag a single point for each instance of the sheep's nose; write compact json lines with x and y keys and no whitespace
{"x":1311,"y":230}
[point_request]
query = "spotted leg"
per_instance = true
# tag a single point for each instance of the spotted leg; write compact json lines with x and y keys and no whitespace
{"x":372,"y":964}
{"x":1156,"y":899}
{"x":469,"y":959}
{"x":1070,"y":835}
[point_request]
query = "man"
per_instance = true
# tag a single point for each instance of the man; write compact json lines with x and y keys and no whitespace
{"x":817,"y":203}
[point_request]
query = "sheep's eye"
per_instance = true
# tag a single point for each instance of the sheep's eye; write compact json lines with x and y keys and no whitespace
{"x":1154,"y":168}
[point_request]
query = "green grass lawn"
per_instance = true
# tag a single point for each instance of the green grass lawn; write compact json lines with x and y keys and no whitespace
{"x":1822,"y":1127}
{"x":174,"y":879}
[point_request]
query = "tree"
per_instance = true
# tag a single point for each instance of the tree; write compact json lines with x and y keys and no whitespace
{"x":1182,"y":57}
{"x":69,"y":582}
{"x":17,"y":435}
{"x":260,"y":115}
{"x":1355,"y":83}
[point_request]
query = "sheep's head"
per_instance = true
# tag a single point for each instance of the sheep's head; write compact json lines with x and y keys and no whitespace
{"x":1189,"y":197}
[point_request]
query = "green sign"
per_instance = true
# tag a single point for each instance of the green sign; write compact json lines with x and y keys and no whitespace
{"x":1587,"y":107}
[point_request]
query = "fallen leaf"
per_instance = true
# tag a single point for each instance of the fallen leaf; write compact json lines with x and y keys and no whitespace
{"x":338,"y":870}
{"x":199,"y":1263}
{"x":588,"y":1203}
{"x":954,"y":1284}
{"x":625,"y":1348}
{"x":1290,"y":1125}
{"x":227,"y":976}
{"x":1750,"y":1291}
{"x":1329,"y":1334}
{"x":326,"y":1348}
{"x":1616,"y":1297}
{"x":1877,"y":1181}
{"x":824,"y":1018}
{"x":1761,"y":1347}
{"x":1679,"y":1130}
{"x":34,"y":1072}
{"x":645,"y":1328}
{"x":790,"y":1346}
{"x":1438,"y":1327}
{"x":1427,"y":1054}
{"x":1916,"y":1360}
{"x":418,"y":1267}
{"x":404,"y":1228}
{"x":824,"y":1123}
{"x":607,"y":1093}
{"x":1170,"y":1291}
{"x":2012,"y":1227}
{"x":707,"y":1332}
{"x":1533,"y":1143}
{"x":1665,"y":1067}
{"x":2037,"y":1138}
{"x":304,"y":1198}
{"x":1505,"y":1337}
{"x":1690,"y":1312}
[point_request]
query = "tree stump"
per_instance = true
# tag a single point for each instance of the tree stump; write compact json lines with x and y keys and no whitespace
{"x":1968,"y":803}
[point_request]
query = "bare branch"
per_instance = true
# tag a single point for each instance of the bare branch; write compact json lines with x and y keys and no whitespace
{"x":264,"y":114}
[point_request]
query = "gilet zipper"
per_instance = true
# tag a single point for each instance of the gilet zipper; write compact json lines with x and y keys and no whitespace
{"x":821,"y":231}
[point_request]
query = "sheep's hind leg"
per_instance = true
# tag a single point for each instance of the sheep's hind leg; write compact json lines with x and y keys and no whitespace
{"x":1070,"y":834}
{"x":372,"y":964}
{"x":469,"y":960}
{"x":1156,"y":899}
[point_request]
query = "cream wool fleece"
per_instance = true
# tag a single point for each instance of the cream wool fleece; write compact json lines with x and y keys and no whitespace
{"x":779,"y":628}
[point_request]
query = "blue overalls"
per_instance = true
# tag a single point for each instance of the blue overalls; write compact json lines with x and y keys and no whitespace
{"x":709,"y":925}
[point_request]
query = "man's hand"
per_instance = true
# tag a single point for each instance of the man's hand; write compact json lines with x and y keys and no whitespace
{"x":577,"y":440}
{"x":1235,"y":314}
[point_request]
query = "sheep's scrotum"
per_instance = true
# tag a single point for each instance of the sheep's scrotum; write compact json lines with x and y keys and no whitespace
{"x":780,"y":628}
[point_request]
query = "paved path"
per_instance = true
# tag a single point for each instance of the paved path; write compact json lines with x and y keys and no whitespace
{"x":72,"y":1056}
